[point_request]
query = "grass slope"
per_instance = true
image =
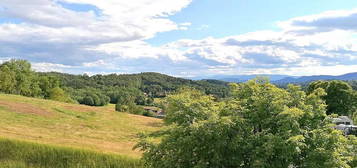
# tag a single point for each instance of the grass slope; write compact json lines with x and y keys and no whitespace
{"x":19,"y":154}
{"x":50,"y":122}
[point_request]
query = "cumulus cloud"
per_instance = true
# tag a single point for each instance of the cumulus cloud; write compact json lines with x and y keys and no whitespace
{"x":324,"y":22}
{"x":47,"y":28}
{"x":109,"y":36}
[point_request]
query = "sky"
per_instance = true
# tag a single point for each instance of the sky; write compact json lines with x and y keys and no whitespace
{"x":185,"y":38}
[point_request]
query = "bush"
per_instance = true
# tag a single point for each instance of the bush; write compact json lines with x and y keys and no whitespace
{"x":149,"y":114}
{"x":91,"y":97}
{"x":58,"y":94}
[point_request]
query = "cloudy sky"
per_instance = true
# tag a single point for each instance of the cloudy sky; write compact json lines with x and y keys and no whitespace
{"x":182,"y":37}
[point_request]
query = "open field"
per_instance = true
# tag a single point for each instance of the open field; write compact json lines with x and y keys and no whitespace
{"x":49,"y":122}
{"x":19,"y":154}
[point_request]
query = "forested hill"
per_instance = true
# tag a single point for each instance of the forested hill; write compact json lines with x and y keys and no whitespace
{"x":150,"y":83}
{"x":17,"y":77}
{"x":306,"y":79}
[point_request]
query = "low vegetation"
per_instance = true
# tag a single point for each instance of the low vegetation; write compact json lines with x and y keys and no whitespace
{"x":19,"y":154}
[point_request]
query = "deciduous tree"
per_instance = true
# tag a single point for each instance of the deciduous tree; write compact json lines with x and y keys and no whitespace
{"x":260,"y":126}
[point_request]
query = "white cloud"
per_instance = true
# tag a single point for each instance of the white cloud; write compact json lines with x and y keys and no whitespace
{"x":113,"y":40}
{"x":49,"y":67}
{"x":203,"y":27}
{"x":47,"y":21}
{"x":324,"y":22}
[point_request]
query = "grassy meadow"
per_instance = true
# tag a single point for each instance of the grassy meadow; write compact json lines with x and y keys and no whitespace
{"x":19,"y":154}
{"x":98,"y":129}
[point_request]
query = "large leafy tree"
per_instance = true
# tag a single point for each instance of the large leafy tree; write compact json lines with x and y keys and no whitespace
{"x":17,"y":77}
{"x":7,"y":80}
{"x":340,"y":98}
{"x":23,"y":75}
{"x":260,"y":126}
{"x":23,"y":78}
{"x":47,"y":83}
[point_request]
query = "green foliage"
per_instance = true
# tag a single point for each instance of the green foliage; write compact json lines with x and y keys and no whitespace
{"x":22,"y":78}
{"x":88,"y":96}
{"x":59,"y":95}
{"x":149,"y":113}
{"x":127,"y":104}
{"x":154,"y":85}
{"x":30,"y":155}
{"x":340,"y":99}
{"x":259,"y":126}
{"x":188,"y":106}
{"x":16,"y":77}
{"x":47,"y":83}
{"x":149,"y":101}
{"x":7,"y":80}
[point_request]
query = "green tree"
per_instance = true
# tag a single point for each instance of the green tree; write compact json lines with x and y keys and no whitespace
{"x":23,"y":75}
{"x":149,"y":101}
{"x":88,"y":100}
{"x":140,"y":100}
{"x":260,"y":126}
{"x":126,"y":103}
{"x":47,"y":83}
{"x":25,"y":80}
{"x":340,"y":97}
{"x":59,"y":94}
{"x":7,"y":80}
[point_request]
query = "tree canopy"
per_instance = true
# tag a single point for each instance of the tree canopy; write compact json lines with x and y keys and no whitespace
{"x":340,"y":98}
{"x":259,"y":126}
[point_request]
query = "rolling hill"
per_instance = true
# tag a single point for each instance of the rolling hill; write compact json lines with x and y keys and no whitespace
{"x":54,"y":123}
{"x":281,"y":79}
{"x":349,"y":76}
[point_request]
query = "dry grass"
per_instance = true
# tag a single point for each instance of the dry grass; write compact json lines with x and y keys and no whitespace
{"x":23,"y":108}
{"x":50,"y":122}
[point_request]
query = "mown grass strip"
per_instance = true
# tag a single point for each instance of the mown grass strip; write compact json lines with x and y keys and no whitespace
{"x":18,"y":154}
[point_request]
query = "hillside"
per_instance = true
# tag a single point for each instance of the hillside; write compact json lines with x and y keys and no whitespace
{"x":282,"y":79}
{"x":153,"y":84}
{"x":50,"y":122}
{"x":349,"y":76}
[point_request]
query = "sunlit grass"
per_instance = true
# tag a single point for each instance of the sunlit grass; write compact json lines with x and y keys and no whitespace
{"x":49,"y":122}
{"x":19,"y":154}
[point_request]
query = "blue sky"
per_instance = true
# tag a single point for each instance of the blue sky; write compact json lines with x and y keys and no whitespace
{"x":220,"y":18}
{"x":182,"y":38}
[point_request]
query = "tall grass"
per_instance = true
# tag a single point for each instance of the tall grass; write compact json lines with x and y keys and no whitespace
{"x":19,"y":154}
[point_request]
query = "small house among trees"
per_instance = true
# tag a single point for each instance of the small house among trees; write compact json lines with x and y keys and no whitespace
{"x":345,"y":124}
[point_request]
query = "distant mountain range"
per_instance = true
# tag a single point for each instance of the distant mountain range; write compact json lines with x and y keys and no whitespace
{"x":281,"y":78}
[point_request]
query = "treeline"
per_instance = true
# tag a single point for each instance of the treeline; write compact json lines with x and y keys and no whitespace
{"x":130,"y":90}
{"x":153,"y":84}
{"x":17,"y":77}
{"x":140,"y":89}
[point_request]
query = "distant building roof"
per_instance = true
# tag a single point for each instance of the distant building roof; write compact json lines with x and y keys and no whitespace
{"x":343,"y":119}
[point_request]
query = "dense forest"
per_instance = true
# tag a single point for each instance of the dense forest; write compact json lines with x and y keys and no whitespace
{"x":153,"y":85}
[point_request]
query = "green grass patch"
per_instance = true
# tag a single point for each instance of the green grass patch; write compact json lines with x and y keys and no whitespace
{"x":20,"y":154}
{"x":100,"y":129}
